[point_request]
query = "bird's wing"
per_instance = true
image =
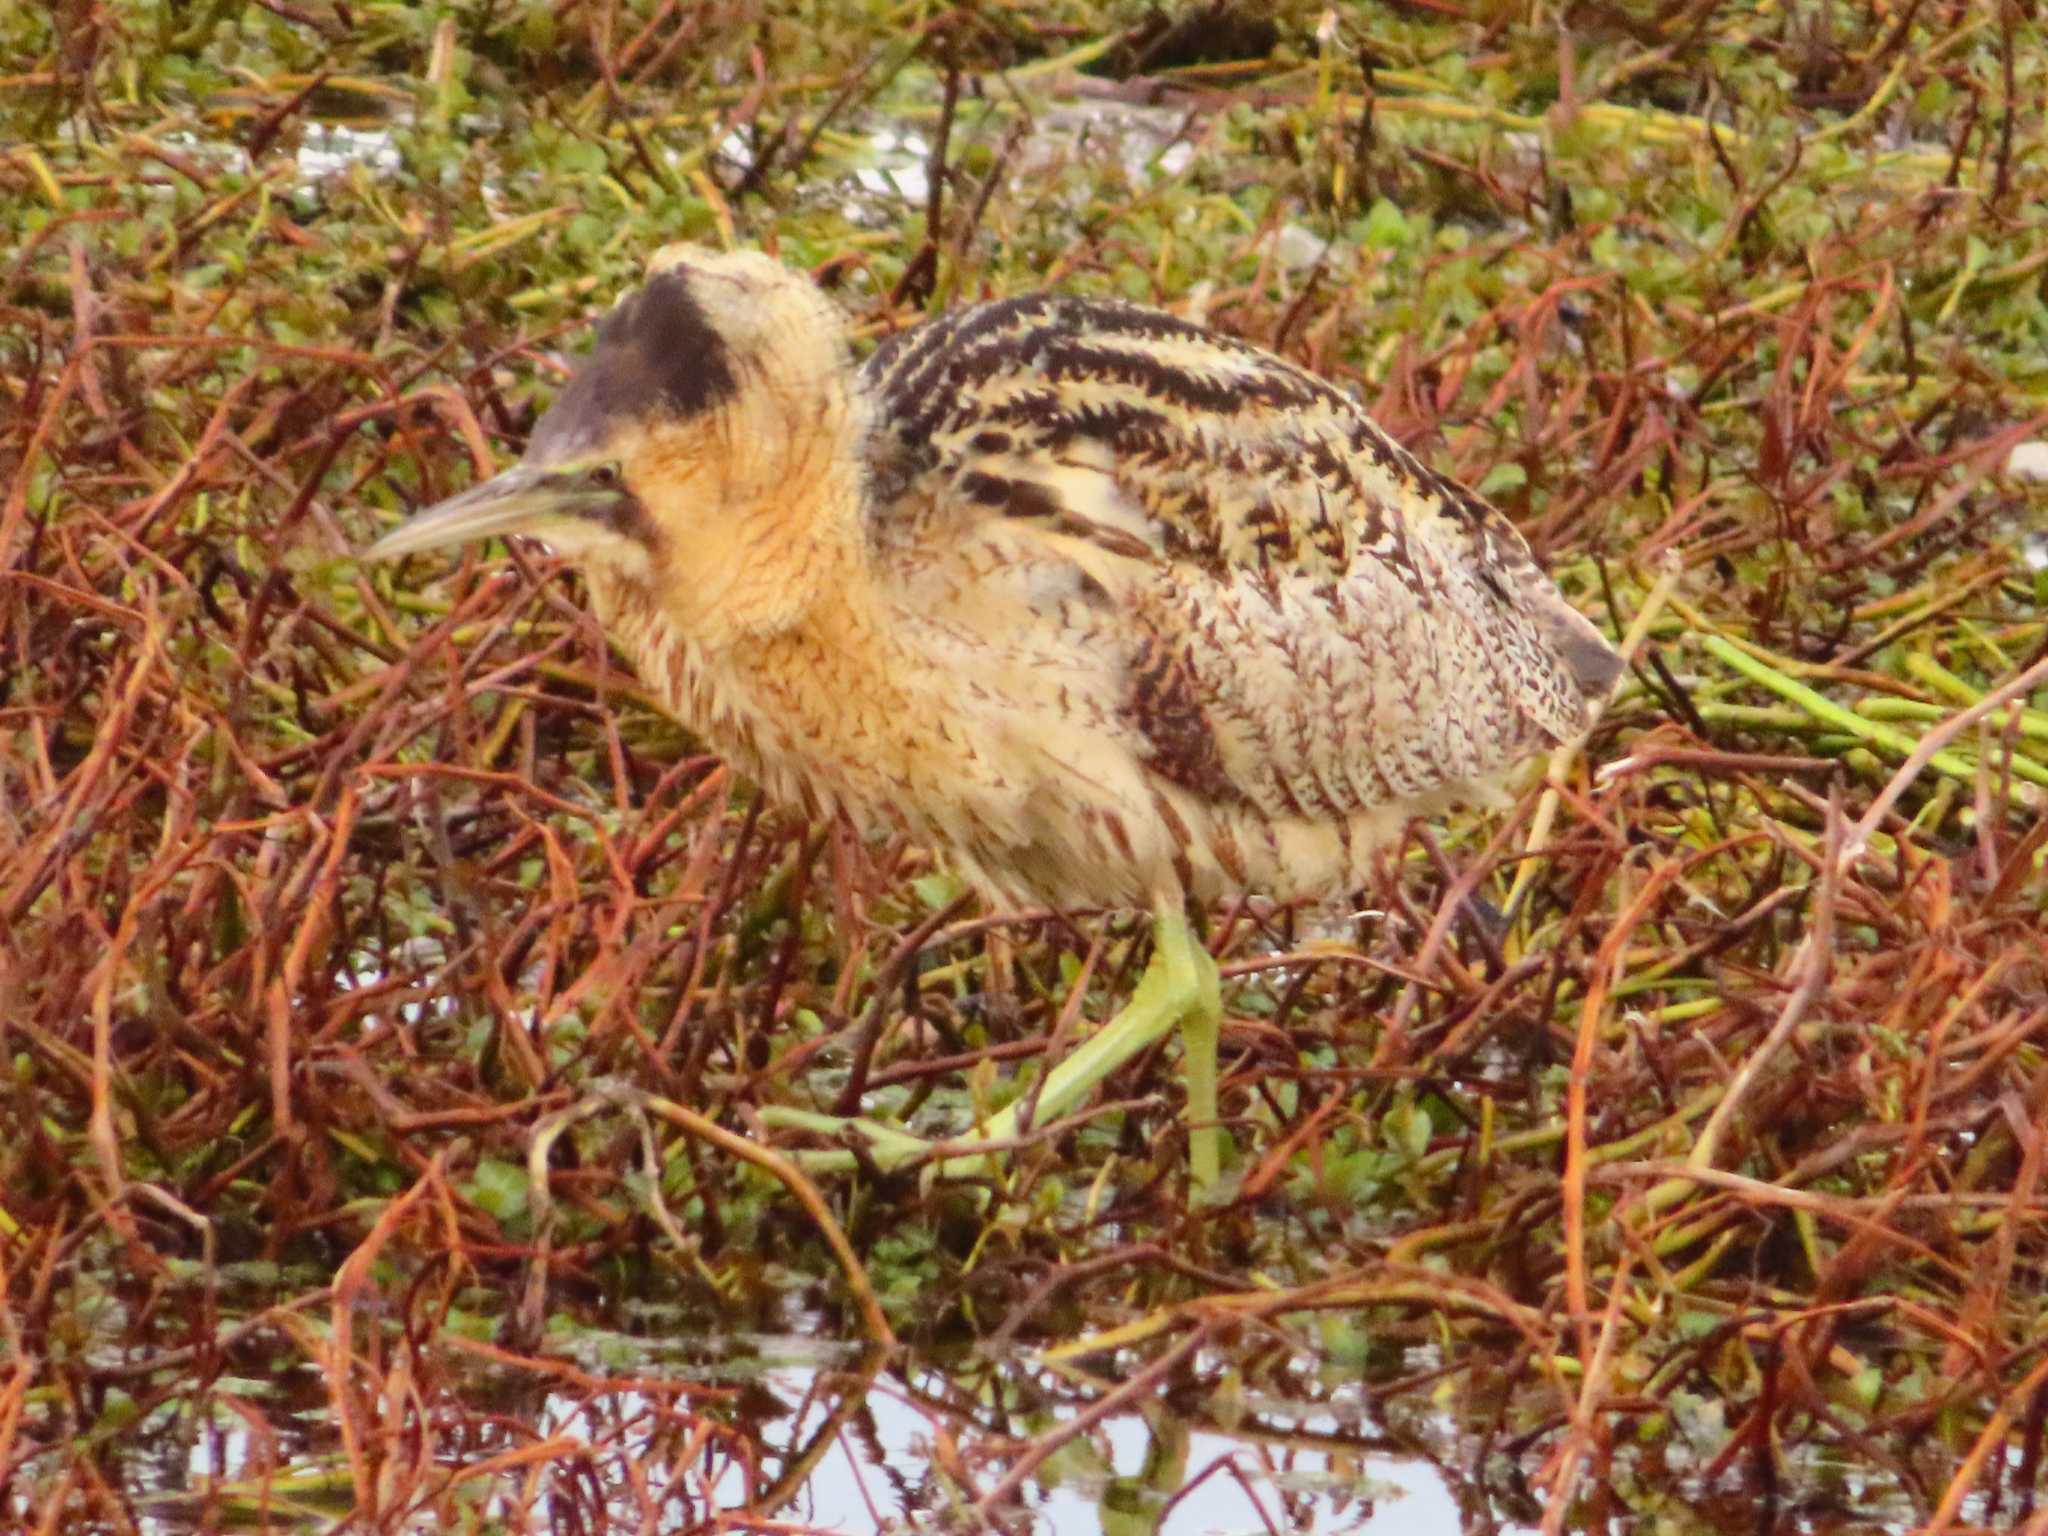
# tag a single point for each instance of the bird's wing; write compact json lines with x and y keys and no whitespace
{"x":1301,"y":614}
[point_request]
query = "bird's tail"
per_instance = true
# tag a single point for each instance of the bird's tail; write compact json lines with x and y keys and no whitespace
{"x":1585,"y":655}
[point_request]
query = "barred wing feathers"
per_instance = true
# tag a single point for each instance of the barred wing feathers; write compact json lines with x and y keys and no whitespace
{"x":1308,"y":625}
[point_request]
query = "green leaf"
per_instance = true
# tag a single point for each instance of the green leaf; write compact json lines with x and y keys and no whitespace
{"x":1386,"y":225}
{"x":1503,"y":478}
{"x":498,"y":1187}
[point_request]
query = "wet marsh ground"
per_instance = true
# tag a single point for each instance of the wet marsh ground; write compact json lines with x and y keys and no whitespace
{"x":388,"y":992}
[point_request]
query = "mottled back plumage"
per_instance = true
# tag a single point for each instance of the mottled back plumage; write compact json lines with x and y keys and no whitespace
{"x":1301,"y":633}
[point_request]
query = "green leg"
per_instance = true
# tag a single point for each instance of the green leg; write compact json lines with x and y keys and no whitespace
{"x":1178,"y":987}
{"x":1200,"y":1027}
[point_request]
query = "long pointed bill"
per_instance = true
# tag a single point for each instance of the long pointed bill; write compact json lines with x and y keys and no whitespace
{"x":521,"y":500}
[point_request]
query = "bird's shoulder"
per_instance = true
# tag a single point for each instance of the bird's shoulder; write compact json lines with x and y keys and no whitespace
{"x":1157,"y":440}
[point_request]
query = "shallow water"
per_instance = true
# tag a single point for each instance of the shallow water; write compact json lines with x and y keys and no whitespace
{"x":910,"y":1446}
{"x":610,"y":1430}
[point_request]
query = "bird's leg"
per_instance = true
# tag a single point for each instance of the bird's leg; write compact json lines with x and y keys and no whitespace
{"x":1200,"y":1025}
{"x":1179,"y":987}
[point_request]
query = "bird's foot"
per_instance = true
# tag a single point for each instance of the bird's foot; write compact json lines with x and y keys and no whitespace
{"x":1180,"y":986}
{"x":887,"y":1146}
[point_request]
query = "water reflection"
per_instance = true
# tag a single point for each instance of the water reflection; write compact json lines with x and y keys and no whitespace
{"x":651,"y":1422}
{"x":913,"y":1449}
{"x":789,"y":1433}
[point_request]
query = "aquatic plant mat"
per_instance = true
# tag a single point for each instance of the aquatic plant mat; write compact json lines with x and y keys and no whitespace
{"x":389,"y":994}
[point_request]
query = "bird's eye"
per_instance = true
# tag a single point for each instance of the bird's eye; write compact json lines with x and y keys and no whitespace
{"x":606,"y":474}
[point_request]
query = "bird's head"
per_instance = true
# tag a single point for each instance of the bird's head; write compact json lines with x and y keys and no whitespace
{"x":705,"y":449}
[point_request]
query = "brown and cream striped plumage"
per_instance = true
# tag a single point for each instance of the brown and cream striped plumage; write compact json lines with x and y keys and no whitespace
{"x":1108,"y":607}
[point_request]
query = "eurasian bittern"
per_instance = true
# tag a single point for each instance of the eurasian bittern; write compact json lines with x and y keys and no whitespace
{"x":1113,"y":610}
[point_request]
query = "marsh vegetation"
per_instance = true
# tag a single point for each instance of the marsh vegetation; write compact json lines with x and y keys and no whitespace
{"x":389,"y":993}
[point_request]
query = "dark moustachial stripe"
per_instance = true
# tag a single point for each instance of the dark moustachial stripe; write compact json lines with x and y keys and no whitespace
{"x":657,"y":353}
{"x":627,"y":517}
